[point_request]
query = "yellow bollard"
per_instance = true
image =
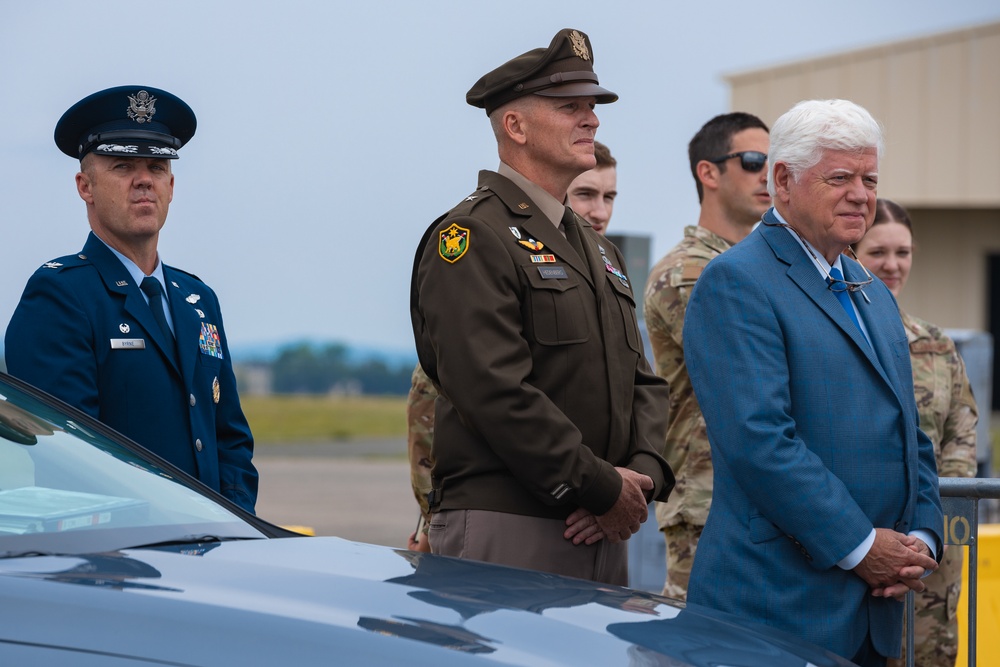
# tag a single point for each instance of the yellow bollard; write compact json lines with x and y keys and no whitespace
{"x":988,"y":602}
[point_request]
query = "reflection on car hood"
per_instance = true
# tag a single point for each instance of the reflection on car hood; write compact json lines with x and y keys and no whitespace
{"x":306,"y":601}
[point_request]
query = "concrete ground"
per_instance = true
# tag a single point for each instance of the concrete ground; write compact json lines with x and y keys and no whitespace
{"x":355,"y":490}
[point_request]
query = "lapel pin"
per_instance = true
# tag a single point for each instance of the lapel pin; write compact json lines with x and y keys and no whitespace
{"x":193,"y":298}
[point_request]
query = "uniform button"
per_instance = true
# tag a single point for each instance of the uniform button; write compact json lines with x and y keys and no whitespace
{"x":197,"y":444}
{"x":192,"y":400}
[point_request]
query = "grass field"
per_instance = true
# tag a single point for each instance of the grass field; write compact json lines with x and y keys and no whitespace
{"x":278,"y":419}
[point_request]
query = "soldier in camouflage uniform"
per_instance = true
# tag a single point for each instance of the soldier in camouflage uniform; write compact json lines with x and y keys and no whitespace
{"x":733,"y":198}
{"x":591,"y":194}
{"x":948,"y":416}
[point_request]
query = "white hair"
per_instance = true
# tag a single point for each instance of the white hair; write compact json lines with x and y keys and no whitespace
{"x":801,"y":134}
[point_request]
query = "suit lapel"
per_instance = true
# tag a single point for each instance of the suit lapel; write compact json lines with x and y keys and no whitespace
{"x":187,"y":320}
{"x":117,"y":280}
{"x":807,"y":278}
{"x":535,"y":222}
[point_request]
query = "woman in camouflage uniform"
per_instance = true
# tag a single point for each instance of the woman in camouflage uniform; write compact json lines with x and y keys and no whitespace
{"x":948,"y":416}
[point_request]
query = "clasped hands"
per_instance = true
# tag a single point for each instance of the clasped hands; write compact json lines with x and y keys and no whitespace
{"x":895,"y":564}
{"x":619,"y":523}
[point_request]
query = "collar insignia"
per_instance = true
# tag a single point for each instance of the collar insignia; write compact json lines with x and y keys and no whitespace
{"x":193,"y":298}
{"x":515,"y":231}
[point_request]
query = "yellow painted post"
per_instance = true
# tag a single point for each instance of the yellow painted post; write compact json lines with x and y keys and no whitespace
{"x":988,"y":607}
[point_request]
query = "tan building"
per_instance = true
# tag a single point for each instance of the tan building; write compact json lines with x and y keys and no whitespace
{"x":938,"y":98}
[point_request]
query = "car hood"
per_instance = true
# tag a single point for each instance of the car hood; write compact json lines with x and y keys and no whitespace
{"x":311,"y":601}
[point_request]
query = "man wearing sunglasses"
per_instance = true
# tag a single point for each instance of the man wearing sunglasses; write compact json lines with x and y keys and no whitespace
{"x":825,"y":509}
{"x":728,"y":156}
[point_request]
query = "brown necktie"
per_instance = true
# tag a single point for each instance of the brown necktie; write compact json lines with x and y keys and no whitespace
{"x":573,"y":232}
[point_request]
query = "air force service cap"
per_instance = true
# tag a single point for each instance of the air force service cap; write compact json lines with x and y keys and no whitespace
{"x":132,"y":121}
{"x":564,"y":69}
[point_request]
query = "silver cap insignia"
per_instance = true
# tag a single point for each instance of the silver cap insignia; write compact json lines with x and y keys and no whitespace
{"x":141,"y":107}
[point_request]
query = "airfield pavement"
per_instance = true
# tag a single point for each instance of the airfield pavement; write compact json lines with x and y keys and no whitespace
{"x":356,"y":490}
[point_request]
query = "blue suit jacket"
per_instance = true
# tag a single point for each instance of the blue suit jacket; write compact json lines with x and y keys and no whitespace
{"x":162,"y":396}
{"x":814,"y":442}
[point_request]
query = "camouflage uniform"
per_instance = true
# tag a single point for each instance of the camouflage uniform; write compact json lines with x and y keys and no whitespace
{"x":419,"y":435}
{"x":687,"y":451}
{"x":948,"y":416}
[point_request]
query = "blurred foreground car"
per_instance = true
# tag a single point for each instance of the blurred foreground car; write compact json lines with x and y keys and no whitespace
{"x":110,"y":556}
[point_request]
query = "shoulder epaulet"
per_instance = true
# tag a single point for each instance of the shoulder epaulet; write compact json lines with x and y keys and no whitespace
{"x":65,"y":262}
{"x":466,"y":206}
{"x":187,"y":273}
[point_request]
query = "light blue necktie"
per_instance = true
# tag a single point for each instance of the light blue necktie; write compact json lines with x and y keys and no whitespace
{"x":844,"y":297}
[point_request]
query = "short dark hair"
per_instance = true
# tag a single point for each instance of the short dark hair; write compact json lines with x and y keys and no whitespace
{"x":715,"y":139}
{"x":603,"y":155}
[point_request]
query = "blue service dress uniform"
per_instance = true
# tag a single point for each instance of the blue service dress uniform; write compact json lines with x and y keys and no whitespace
{"x":84,"y":333}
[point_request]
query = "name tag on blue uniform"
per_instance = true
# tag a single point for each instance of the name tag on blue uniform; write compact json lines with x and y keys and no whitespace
{"x":552,"y":272}
{"x":128,"y":344}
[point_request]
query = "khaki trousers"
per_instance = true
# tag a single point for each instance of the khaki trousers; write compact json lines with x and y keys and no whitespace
{"x":526,"y":542}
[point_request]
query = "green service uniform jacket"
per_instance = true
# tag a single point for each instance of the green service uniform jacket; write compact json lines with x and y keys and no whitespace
{"x":538,"y":356}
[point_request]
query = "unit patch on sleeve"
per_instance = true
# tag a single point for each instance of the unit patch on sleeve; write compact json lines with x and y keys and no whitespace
{"x":454,"y":243}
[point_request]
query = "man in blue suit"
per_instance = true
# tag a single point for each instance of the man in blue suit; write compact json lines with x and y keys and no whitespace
{"x":826,"y":507}
{"x":111,"y":330}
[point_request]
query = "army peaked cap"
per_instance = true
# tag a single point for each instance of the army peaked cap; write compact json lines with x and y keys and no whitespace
{"x":564,"y":69}
{"x":132,"y":121}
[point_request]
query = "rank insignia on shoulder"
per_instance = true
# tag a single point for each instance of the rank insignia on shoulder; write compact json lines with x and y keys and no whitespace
{"x":453,"y":243}
{"x":542,"y":259}
{"x":51,"y":265}
{"x":532,"y":244}
{"x":209,"y":341}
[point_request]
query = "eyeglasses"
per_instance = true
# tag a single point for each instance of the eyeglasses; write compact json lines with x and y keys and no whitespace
{"x":832,"y":283}
{"x":752,"y":161}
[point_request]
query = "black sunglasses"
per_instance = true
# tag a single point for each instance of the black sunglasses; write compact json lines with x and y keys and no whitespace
{"x":752,"y":161}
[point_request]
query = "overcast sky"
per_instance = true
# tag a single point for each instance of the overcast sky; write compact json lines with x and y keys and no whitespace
{"x":330,"y":134}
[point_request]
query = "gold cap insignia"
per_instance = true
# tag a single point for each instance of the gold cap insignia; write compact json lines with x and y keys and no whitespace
{"x":579,"y":44}
{"x":216,"y":390}
{"x":141,"y":107}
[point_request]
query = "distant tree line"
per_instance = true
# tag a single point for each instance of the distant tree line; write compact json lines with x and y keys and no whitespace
{"x":307,"y":368}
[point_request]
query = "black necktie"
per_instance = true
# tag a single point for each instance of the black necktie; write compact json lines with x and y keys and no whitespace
{"x":151,"y":288}
{"x":573,"y":232}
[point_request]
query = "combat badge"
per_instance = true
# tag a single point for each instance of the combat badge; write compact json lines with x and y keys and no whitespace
{"x":216,"y":389}
{"x":454,"y":243}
